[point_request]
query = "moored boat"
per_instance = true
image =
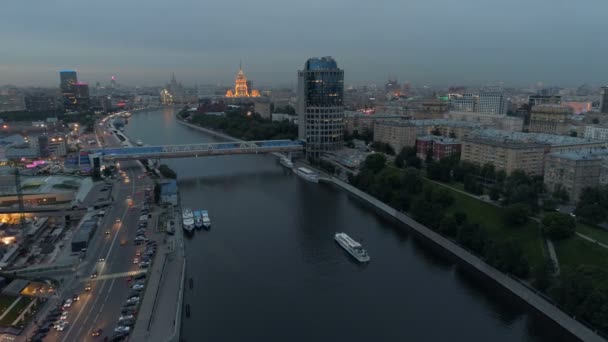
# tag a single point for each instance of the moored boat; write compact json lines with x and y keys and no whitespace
{"x":206,"y":219}
{"x":198,"y":219}
{"x":307,"y":174}
{"x":286,"y":162}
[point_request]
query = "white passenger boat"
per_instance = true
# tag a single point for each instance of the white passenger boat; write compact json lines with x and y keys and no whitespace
{"x":286,"y":162}
{"x":198,"y":219}
{"x":307,"y":174}
{"x":188,"y":220}
{"x":206,"y":219}
{"x":353,"y":247}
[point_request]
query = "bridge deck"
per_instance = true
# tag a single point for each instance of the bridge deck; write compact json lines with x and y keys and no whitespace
{"x":196,"y":150}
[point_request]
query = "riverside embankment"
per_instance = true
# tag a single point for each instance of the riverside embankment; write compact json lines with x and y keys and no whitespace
{"x":270,"y":263}
{"x":526,"y":294}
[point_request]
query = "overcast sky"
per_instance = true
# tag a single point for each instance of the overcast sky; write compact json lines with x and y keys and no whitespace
{"x":448,"y":42}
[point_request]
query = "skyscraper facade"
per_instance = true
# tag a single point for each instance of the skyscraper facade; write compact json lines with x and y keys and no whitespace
{"x":492,"y":103}
{"x":320,"y":106}
{"x":604,"y":100}
{"x":68,"y":78}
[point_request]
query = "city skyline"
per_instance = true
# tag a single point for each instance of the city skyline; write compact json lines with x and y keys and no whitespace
{"x":468,"y":42}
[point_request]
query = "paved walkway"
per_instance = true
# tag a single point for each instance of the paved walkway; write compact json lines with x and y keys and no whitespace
{"x":553,"y":256}
{"x":160,"y":312}
{"x":592,"y":240}
{"x":516,"y":287}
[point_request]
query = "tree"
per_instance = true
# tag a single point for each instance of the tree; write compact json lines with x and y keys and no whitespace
{"x":561,"y":194}
{"x":508,"y":256}
{"x":156,"y":193}
{"x":471,"y":236}
{"x":107,"y":172}
{"x":167,"y":172}
{"x":593,"y":204}
{"x":516,"y":214}
{"x":460,"y":217}
{"x":448,"y":226}
{"x":412,"y":182}
{"x":542,"y":275}
{"x":374,"y":162}
{"x":444,"y":198}
{"x":558,"y":226}
{"x":494,"y":193}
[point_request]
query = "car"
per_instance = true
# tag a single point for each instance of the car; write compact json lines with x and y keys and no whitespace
{"x":141,"y":231}
{"x":44,"y":329}
{"x":138,"y":253}
{"x":133,"y":300}
{"x":128,"y":311}
{"x":107,"y":232}
{"x":67,"y":303}
{"x":122,"y":318}
{"x":121,"y":328}
{"x":136,"y":261}
{"x":94,"y":275}
{"x":137,"y":287}
{"x":64,"y":316}
{"x":150,"y":253}
{"x":102,"y":259}
{"x":129,"y":305}
{"x":61,"y":326}
{"x":144,"y":265}
{"x":140,"y":276}
{"x":75,"y":297}
{"x":97,"y":332}
{"x":87,"y":287}
{"x":128,"y":322}
{"x":118,"y":220}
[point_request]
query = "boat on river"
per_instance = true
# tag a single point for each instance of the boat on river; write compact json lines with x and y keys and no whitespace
{"x":188,"y":220}
{"x":352,"y":247}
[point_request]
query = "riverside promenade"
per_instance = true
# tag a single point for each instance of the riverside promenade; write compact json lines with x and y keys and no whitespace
{"x":159,"y":318}
{"x":529,"y":296}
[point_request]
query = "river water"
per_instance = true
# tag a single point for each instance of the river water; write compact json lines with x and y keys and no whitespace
{"x":269,"y":269}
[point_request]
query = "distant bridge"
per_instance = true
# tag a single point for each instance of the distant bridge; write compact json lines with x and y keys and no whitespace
{"x":199,"y":150}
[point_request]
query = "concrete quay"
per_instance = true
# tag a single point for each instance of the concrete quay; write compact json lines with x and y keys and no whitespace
{"x":159,"y":317}
{"x":526,"y":294}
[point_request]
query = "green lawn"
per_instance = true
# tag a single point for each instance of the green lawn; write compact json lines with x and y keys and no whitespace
{"x":490,"y":217}
{"x":577,"y":251}
{"x":593,"y":232}
{"x":16,"y":311}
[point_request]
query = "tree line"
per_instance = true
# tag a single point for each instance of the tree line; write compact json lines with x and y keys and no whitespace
{"x":581,"y":291}
{"x":239,"y":124}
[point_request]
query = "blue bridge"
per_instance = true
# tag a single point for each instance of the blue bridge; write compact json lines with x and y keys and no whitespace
{"x":198,"y":150}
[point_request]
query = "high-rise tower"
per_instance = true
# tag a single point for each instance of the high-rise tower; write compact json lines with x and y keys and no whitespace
{"x":320,"y":106}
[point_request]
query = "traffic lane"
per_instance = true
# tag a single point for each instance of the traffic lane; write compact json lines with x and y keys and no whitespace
{"x":99,"y":290}
{"x":110,"y":301}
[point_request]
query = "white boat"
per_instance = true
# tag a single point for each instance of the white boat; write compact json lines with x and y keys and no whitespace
{"x":286,"y":162}
{"x":188,"y":220}
{"x":139,"y":143}
{"x":198,"y":219}
{"x":307,"y":174}
{"x":206,"y":219}
{"x":353,"y":247}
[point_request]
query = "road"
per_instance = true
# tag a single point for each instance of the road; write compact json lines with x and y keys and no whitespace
{"x":101,"y":306}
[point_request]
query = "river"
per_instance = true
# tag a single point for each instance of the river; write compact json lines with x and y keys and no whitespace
{"x":269,"y":269}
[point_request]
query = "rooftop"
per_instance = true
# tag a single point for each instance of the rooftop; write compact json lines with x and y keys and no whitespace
{"x":542,"y":138}
{"x":582,"y":154}
{"x":439,"y":139}
{"x":510,"y":144}
{"x":432,"y":122}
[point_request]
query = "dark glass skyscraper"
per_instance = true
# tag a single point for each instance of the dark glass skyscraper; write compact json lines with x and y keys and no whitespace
{"x":604,"y":100}
{"x":68,"y":78}
{"x":321,"y":106}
